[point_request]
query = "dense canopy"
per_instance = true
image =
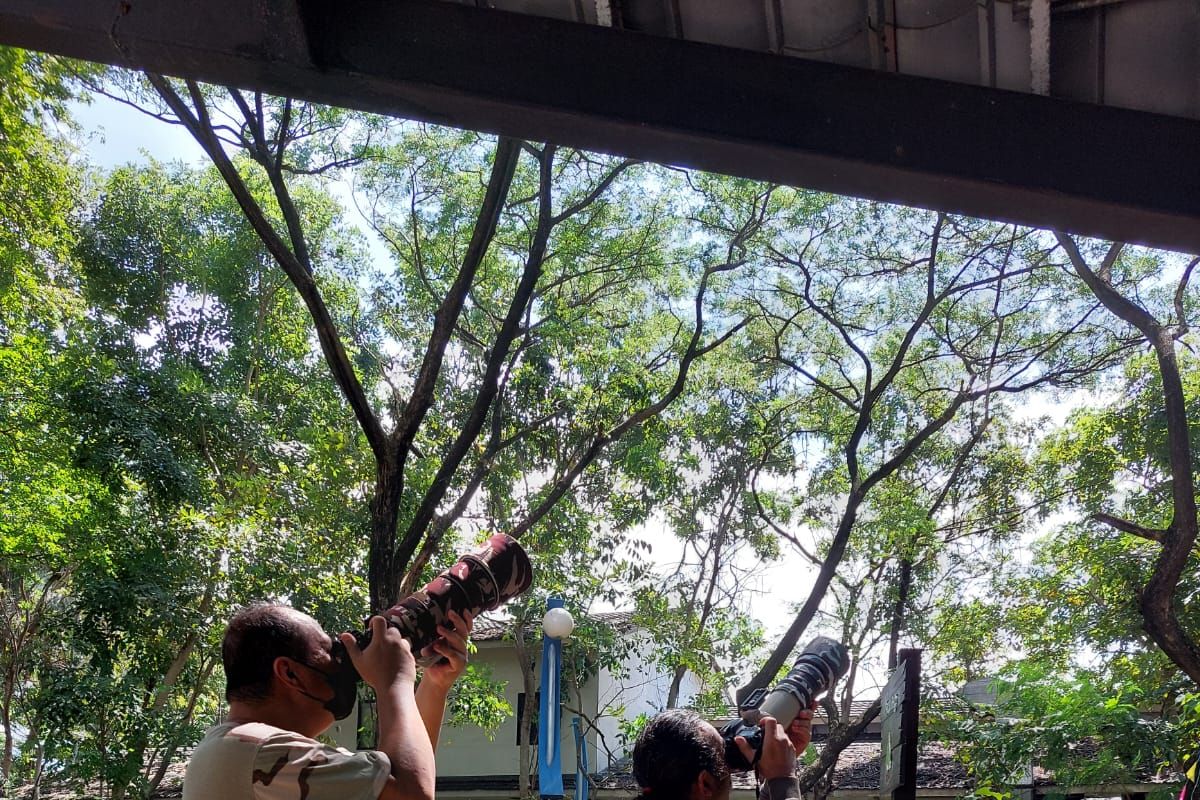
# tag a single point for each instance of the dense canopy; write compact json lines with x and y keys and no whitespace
{"x":344,"y":347}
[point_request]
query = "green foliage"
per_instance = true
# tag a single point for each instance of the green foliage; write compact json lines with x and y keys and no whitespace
{"x":39,"y":190}
{"x":1113,"y":454}
{"x":715,"y":648}
{"x":1081,"y":591}
{"x":477,"y":699}
{"x":171,"y":444}
{"x":1083,"y":732}
{"x":172,"y":456}
{"x":629,"y":729}
{"x":1089,"y":696}
{"x":47,"y":503}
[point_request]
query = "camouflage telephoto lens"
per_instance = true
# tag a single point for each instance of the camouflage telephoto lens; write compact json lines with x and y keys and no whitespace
{"x":479,"y":581}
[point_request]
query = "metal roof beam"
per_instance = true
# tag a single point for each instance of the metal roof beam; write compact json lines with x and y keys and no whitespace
{"x":1038,"y":161}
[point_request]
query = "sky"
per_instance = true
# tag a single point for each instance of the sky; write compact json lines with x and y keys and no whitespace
{"x":116,"y":134}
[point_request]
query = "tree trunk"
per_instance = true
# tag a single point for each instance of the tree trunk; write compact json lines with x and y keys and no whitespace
{"x":383,"y":579}
{"x":815,"y":595}
{"x":39,"y":766}
{"x":1159,"y":612}
{"x":898,"y":611}
{"x":524,"y":777}
{"x":173,"y":746}
{"x":812,"y":776}
{"x":157,"y":696}
{"x":676,"y":682}
{"x":6,"y":718}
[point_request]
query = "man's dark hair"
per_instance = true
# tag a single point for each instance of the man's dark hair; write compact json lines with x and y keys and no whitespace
{"x":671,"y":752}
{"x":256,"y":636}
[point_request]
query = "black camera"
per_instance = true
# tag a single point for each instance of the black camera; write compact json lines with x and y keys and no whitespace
{"x":823,"y":661}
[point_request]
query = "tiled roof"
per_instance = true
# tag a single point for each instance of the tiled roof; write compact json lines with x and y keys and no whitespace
{"x":937,"y":768}
{"x":857,"y":709}
{"x":489,"y":629}
{"x":1090,"y":749}
{"x":857,"y":769}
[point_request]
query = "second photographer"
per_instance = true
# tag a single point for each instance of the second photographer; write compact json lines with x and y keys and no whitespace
{"x":679,"y":756}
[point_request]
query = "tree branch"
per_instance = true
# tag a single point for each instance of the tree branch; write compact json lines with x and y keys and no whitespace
{"x":694,"y":350}
{"x":1125,"y":526}
{"x":834,"y":745}
{"x":1113,"y":300}
{"x":1181,"y":323}
{"x":488,"y":383}
{"x":327,"y":334}
{"x":592,"y":196}
{"x":446,"y":318}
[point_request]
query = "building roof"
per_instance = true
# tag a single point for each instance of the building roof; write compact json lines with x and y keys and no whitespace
{"x":857,"y":769}
{"x":782,"y":96}
{"x":938,"y":772}
{"x":491,"y":629}
{"x":857,"y":709}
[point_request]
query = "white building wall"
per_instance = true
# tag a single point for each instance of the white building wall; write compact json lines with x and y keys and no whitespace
{"x":344,"y":733}
{"x":639,"y":687}
{"x":467,"y":750}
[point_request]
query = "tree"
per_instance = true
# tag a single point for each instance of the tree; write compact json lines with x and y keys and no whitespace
{"x":1177,"y":539}
{"x":1108,"y":460}
{"x":1076,"y":613}
{"x":45,"y":502}
{"x":1070,"y":726}
{"x":494,"y":288}
{"x":905,"y":327}
{"x":196,"y":400}
{"x":1092,"y":663}
{"x":895,"y":331}
{"x":559,"y":345}
{"x":183,"y":410}
{"x":698,"y":612}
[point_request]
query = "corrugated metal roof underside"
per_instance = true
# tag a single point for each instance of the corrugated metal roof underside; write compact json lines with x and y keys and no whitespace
{"x":1137,"y":54}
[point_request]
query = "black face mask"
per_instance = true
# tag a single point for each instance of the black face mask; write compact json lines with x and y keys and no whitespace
{"x":343,"y":680}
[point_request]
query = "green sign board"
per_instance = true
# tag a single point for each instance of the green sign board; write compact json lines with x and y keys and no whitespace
{"x":898,"y":711}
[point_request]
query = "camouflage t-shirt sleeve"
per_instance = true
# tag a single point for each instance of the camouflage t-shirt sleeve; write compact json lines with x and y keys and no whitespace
{"x":294,"y":767}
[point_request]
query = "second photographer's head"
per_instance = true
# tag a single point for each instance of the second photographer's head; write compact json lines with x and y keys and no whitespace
{"x":679,"y":756}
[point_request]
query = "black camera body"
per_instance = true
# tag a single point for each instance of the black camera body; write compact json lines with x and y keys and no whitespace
{"x":823,"y":661}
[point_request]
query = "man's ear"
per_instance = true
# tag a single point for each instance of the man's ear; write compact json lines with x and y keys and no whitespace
{"x":706,"y":786}
{"x":284,"y":673}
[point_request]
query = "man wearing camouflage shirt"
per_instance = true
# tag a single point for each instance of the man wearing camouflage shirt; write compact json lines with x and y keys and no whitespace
{"x":279,"y":666}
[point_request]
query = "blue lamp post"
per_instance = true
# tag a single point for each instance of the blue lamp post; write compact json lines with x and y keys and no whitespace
{"x":556,"y":625}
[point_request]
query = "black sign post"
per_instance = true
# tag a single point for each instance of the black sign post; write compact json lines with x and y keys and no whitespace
{"x":899,"y":708}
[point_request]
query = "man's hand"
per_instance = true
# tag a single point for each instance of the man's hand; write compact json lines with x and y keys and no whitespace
{"x":388,"y":660}
{"x":435,"y":684}
{"x":778,"y":757}
{"x":452,"y":647}
{"x":800,"y":731}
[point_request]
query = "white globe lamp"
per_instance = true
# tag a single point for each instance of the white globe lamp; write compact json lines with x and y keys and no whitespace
{"x":558,"y":623}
